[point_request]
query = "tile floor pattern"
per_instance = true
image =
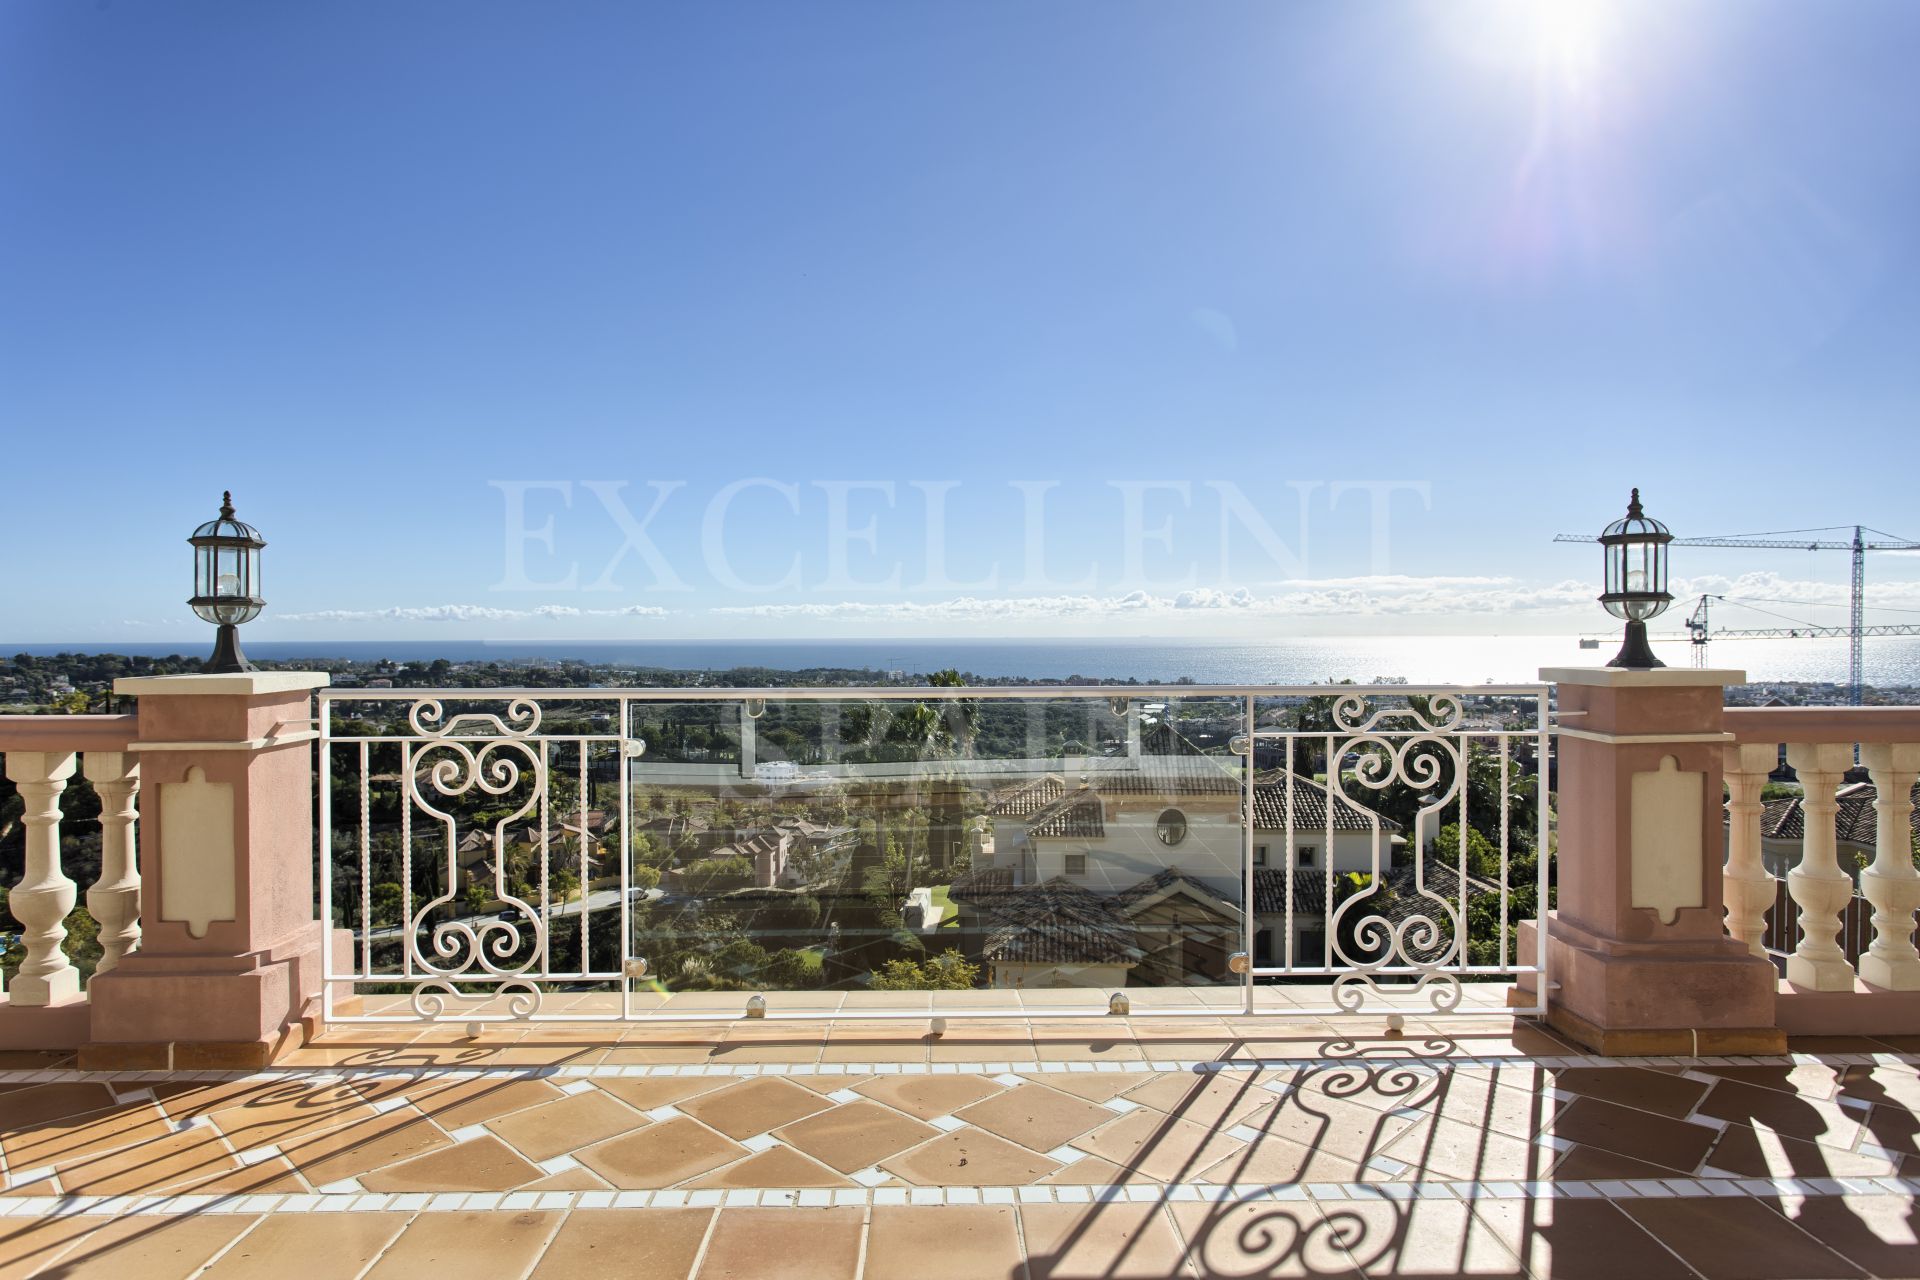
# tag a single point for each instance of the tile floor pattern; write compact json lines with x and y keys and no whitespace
{"x":1017,"y":1150}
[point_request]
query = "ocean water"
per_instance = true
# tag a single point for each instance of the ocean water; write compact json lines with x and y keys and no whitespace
{"x":1891,"y":661}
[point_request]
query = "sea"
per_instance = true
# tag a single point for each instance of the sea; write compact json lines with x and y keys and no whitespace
{"x":1891,"y":662}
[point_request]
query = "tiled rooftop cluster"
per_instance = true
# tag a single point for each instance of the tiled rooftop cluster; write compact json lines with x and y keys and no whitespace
{"x":1855,"y":820}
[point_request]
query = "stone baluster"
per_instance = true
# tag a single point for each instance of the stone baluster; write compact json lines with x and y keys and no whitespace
{"x":1818,"y":885}
{"x":1892,"y":884}
{"x":115,"y":900}
{"x":44,"y":896}
{"x":1746,"y":883}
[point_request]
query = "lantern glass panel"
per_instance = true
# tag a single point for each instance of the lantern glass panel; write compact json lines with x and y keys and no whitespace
{"x":1636,"y":566}
{"x":226,"y":569}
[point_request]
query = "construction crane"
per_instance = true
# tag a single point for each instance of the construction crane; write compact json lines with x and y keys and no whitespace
{"x":1787,"y":540}
{"x":1697,"y":630}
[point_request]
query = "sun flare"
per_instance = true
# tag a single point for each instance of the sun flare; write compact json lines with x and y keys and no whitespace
{"x":1566,"y":40}
{"x":1569,"y":37}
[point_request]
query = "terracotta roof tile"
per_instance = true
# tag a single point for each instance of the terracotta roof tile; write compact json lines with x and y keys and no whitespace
{"x":1855,"y":820}
{"x":1309,"y":807}
{"x":1129,"y":899}
{"x":1060,"y":923}
{"x":1270,"y":891}
{"x":983,"y":886}
{"x":1077,"y":815}
{"x":1024,"y":798}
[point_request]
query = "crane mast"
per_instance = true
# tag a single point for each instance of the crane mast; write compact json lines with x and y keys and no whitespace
{"x":1856,"y":684}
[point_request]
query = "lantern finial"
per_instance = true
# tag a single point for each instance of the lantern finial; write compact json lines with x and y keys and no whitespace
{"x":226,"y":503}
{"x":1633,"y":505}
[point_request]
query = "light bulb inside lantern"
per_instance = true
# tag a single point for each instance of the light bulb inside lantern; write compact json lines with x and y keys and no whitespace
{"x":1636,"y":580}
{"x":228,"y":585}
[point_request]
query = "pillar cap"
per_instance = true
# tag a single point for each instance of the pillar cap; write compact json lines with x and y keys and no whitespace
{"x":246,"y":684}
{"x":1657,"y":678}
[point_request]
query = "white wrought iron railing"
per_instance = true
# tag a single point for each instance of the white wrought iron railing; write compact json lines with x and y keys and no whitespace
{"x":906,"y":852}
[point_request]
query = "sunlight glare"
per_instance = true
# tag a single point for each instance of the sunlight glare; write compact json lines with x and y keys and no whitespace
{"x":1569,"y":36}
{"x":1563,"y":40}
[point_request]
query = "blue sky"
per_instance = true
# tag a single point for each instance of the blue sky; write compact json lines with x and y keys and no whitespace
{"x":377,"y":268}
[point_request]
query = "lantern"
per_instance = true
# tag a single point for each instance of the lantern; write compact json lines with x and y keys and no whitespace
{"x":226,"y":584}
{"x":1635,"y":548}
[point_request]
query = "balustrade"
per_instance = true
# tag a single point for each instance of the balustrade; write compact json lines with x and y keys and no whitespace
{"x":1749,"y":887}
{"x":43,"y":754}
{"x":1892,"y":883}
{"x":1820,"y":745}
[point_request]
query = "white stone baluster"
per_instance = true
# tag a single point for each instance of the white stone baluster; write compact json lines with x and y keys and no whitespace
{"x":115,"y":900}
{"x":1892,"y":884}
{"x":1817,"y":884}
{"x":1746,"y":883}
{"x":44,"y":896}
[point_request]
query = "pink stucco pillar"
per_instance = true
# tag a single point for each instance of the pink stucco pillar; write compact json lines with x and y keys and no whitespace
{"x":229,"y":963}
{"x":1638,"y":956}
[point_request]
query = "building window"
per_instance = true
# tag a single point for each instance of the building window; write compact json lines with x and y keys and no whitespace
{"x":1172,"y":827}
{"x":1076,"y":864}
{"x":1313,"y":945}
{"x":1259,"y":855}
{"x":1263,"y":947}
{"x":1309,"y":855}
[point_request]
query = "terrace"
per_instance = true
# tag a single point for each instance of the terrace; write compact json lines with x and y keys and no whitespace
{"x":1294,"y":1008}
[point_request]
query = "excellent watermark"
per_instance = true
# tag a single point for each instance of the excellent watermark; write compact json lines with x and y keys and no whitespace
{"x":762,"y":536}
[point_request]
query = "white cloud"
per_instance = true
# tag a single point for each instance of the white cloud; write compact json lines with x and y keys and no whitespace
{"x":1385,"y":596}
{"x":1395,"y":581}
{"x":1208,"y":598}
{"x":469,"y":613}
{"x":1805,"y":599}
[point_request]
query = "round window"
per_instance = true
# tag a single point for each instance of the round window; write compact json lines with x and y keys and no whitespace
{"x":1172,"y":827}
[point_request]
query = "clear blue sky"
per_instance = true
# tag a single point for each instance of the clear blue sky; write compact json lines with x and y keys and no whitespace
{"x":359,"y":261}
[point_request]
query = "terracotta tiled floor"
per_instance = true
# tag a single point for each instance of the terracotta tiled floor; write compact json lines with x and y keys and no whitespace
{"x":1233,"y":1148}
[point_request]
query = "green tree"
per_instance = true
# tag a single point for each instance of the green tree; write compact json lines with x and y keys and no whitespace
{"x":902,"y":867}
{"x":788,"y":970}
{"x":716,"y":875}
{"x":81,"y":945}
{"x":740,"y":962}
{"x":649,"y":851}
{"x":384,"y":901}
{"x":948,"y":971}
{"x":71,"y":704}
{"x":1483,"y":858}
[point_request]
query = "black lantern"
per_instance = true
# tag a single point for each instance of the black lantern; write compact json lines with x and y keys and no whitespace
{"x":226,"y":584}
{"x":1635,"y":547}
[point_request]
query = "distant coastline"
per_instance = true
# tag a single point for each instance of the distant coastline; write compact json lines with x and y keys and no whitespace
{"x":1891,"y":663}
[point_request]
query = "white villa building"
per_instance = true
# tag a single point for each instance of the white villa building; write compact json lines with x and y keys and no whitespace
{"x":1138,"y":871}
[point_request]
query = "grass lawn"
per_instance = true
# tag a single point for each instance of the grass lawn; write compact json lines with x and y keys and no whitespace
{"x":949,"y":915}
